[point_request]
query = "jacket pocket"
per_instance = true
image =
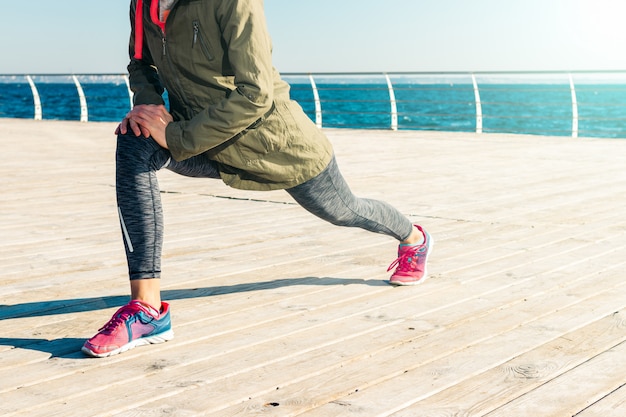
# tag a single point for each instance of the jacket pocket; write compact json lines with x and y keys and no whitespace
{"x":200,"y":41}
{"x":256,"y":145}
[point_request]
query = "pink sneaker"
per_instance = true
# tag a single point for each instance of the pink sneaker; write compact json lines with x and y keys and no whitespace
{"x":411,"y":262}
{"x":133,"y":325}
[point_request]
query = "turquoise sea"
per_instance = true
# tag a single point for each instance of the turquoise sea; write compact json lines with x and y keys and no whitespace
{"x":529,"y":108}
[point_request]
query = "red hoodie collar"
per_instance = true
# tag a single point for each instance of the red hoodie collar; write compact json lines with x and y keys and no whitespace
{"x":154,"y":15}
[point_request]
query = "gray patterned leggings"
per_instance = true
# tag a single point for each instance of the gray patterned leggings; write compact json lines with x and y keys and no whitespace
{"x":141,"y":216}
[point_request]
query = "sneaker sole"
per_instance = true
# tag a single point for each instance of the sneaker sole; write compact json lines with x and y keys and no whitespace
{"x":150,"y":340}
{"x":425,"y":277}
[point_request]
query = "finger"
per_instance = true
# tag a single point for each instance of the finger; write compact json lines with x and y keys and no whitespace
{"x":140,"y":125}
{"x":135,"y":128}
{"x":122,"y":127}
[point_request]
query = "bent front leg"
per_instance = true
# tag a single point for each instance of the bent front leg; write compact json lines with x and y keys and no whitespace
{"x":139,"y":203}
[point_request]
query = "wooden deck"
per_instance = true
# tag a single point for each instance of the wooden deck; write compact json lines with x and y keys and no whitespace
{"x":278,"y":313}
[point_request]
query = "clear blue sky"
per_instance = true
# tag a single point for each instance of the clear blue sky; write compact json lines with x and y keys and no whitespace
{"x":78,"y":36}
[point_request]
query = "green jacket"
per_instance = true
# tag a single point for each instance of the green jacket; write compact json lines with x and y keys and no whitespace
{"x":228,"y":102}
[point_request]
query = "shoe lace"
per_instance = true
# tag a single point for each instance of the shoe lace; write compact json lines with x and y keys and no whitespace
{"x":120,"y":317}
{"x":402,"y":262}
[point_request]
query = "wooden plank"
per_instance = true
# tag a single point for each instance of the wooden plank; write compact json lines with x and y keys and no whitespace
{"x":575,"y":391}
{"x":614,"y":404}
{"x":496,"y":320}
{"x":527,"y":267}
{"x":383,"y":377}
{"x":482,"y":394}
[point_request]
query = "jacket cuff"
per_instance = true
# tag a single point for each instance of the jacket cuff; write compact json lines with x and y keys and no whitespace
{"x":147,"y":97}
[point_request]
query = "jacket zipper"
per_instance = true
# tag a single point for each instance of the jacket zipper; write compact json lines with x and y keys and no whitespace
{"x":154,"y":16}
{"x":197,"y":36}
{"x":181,"y":92}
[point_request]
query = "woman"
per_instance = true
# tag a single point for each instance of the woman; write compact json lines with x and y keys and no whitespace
{"x":230,"y":117}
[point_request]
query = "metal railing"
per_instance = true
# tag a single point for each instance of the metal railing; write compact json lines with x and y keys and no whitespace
{"x":592,"y":103}
{"x":583,"y":103}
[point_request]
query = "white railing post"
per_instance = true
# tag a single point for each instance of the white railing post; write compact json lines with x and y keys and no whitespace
{"x":479,"y":108}
{"x":36,"y":99}
{"x":574,"y":107}
{"x":130,"y":92}
{"x":394,"y":107}
{"x":83,"y":101}
{"x":318,"y":104}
